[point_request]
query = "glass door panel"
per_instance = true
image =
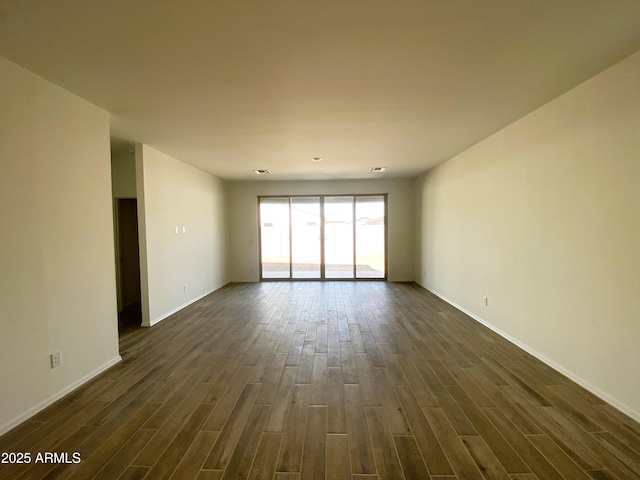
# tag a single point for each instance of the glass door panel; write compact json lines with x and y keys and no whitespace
{"x":370,"y":237}
{"x":338,"y":237}
{"x":305,"y":237}
{"x":274,"y":238}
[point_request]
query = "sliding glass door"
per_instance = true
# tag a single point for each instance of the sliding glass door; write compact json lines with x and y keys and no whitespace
{"x":275,"y":244}
{"x":370,"y":236}
{"x":338,"y":237}
{"x":305,"y":237}
{"x":323,"y":237}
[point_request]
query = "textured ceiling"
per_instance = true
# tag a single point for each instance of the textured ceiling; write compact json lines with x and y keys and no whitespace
{"x":240,"y":85}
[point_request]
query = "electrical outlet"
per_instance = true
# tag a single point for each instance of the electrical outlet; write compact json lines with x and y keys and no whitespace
{"x":56,"y":359}
{"x":486,"y":301}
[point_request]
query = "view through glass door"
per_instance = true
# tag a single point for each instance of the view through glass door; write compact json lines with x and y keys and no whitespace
{"x":305,"y":237}
{"x":323,"y":237}
{"x":338,"y":237}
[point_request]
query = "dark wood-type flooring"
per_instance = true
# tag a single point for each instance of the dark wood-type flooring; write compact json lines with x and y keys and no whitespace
{"x":337,"y":380}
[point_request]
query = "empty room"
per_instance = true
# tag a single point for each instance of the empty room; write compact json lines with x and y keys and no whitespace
{"x":334,"y":240}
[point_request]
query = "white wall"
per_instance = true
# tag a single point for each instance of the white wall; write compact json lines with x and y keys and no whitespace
{"x":173,"y":194}
{"x":243,"y":220}
{"x":57,"y":286}
{"x":123,"y":175}
{"x":544,"y":219}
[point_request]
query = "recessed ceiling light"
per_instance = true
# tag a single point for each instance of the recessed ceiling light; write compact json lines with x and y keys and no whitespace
{"x":377,"y":169}
{"x":316,"y":159}
{"x":262,"y":172}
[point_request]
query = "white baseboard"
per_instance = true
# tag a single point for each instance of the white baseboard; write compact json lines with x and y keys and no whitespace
{"x":58,"y":395}
{"x":559,"y":368}
{"x":177,"y":309}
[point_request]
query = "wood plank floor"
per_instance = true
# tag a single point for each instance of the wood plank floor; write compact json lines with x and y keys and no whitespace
{"x":337,"y":380}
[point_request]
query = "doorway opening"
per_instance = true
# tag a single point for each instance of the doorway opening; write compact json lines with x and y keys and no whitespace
{"x":338,"y":237}
{"x":128,"y":265}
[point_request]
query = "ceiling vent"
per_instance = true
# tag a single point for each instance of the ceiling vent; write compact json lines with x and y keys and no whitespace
{"x":262,"y":172}
{"x":377,"y":169}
